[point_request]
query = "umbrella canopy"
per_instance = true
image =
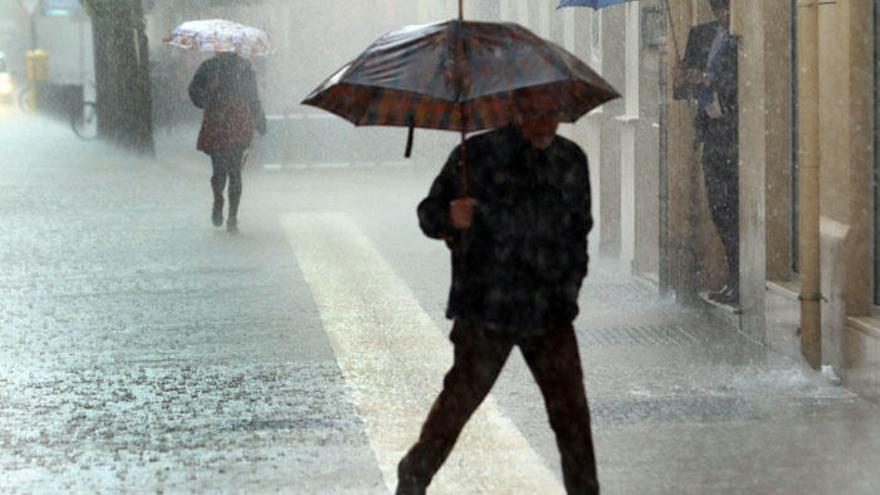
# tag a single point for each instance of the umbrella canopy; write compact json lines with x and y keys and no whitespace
{"x":219,"y":35}
{"x":456,"y":75}
{"x":596,"y":4}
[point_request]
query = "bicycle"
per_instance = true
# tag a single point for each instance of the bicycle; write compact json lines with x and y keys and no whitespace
{"x":27,"y":99}
{"x":84,"y":121}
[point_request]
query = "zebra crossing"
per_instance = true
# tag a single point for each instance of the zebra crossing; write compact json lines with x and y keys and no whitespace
{"x":393,"y":358}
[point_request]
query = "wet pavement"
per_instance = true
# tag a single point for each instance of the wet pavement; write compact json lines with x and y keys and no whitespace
{"x":144,"y":351}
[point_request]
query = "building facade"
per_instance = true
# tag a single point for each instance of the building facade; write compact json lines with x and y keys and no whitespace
{"x":808,"y":182}
{"x":650,"y":200}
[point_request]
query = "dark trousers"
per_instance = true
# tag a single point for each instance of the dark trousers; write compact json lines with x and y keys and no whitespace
{"x":721,"y":173}
{"x":228,"y":163}
{"x":479,"y":356}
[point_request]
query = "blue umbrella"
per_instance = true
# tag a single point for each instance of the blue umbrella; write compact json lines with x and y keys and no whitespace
{"x":601,"y":4}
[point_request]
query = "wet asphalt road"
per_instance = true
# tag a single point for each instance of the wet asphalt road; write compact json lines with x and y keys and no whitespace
{"x":144,"y":351}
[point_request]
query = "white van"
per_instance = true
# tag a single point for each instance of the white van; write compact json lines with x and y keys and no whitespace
{"x":6,"y":85}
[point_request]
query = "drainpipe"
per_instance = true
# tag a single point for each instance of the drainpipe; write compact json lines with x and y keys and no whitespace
{"x":666,"y":286}
{"x":809,"y":160}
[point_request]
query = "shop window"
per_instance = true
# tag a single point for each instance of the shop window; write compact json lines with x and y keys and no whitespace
{"x":652,"y":28}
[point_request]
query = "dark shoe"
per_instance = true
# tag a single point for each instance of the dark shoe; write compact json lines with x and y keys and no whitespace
{"x":731,"y":299}
{"x":714,"y":295}
{"x":410,"y":487}
{"x":729,"y":295}
{"x":232,"y":225}
{"x":217,"y":213}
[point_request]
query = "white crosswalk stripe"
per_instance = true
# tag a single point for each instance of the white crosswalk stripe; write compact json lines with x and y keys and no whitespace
{"x":394,"y":357}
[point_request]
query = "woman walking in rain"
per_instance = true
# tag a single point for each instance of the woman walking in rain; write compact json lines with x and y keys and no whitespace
{"x":226,"y":88}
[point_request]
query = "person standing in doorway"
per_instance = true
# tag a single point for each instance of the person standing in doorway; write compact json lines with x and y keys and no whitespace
{"x":519,"y":257}
{"x":709,"y":75}
{"x":225,"y":86}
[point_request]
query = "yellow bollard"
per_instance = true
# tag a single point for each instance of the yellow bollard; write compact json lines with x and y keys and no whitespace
{"x":37,"y":62}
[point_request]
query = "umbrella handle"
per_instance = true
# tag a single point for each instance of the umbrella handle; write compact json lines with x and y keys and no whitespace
{"x":409,"y":140}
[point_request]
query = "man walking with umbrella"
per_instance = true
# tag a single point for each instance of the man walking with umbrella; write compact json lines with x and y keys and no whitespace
{"x":519,"y":245}
{"x":513,"y":204}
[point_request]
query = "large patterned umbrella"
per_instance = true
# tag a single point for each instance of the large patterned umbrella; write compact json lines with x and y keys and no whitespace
{"x":456,"y":75}
{"x":219,"y":35}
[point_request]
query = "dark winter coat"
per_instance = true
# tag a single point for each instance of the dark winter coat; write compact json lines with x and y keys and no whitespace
{"x":726,"y":85}
{"x":226,"y":88}
{"x":519,"y":267}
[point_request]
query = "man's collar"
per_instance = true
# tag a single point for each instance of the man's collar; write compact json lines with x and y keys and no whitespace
{"x":521,"y":144}
{"x":513,"y":132}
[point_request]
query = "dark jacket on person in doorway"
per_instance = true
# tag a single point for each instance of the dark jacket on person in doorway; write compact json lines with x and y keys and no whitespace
{"x":726,"y":83}
{"x":519,"y":267}
{"x":225,"y":86}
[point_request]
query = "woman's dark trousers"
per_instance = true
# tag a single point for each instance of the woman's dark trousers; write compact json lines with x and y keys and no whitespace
{"x":479,"y":357}
{"x":227,"y":163}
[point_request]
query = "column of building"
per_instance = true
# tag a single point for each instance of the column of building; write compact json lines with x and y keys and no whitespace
{"x":640,"y":139}
{"x":834,"y":127}
{"x":850,"y":339}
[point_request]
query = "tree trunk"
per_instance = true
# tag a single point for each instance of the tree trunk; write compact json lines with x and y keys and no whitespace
{"x":122,"y":77}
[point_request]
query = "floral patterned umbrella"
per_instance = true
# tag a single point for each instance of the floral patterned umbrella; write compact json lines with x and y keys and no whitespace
{"x":219,"y":35}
